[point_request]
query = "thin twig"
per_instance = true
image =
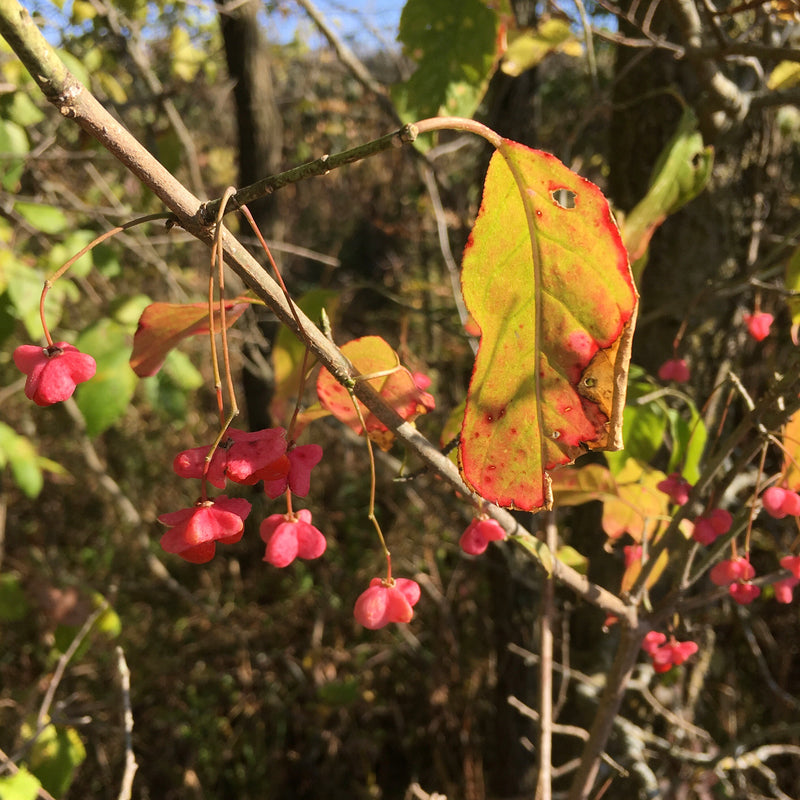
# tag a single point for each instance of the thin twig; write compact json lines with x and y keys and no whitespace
{"x":76,"y":102}
{"x":350,"y":59}
{"x":544,"y":788}
{"x":127,"y":719}
{"x":607,"y":712}
{"x":591,"y":61}
{"x":320,"y":166}
{"x":66,"y":657}
{"x":763,"y":667}
{"x":7,"y":765}
{"x":140,"y":60}
{"x":453,"y":270}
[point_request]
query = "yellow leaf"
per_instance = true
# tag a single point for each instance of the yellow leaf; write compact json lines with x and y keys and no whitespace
{"x":528,"y":47}
{"x":632,"y":573}
{"x":784,"y":76}
{"x":791,"y":453}
{"x":640,"y":509}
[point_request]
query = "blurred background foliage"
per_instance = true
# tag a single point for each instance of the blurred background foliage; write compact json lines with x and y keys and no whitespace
{"x":249,"y":682}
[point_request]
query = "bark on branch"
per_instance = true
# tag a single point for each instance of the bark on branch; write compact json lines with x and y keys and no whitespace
{"x":77,"y":103}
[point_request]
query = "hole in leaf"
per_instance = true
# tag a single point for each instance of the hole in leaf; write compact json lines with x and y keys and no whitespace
{"x":564,"y":198}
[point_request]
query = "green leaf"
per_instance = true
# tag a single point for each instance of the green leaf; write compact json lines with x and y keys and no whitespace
{"x":13,"y":603}
{"x":63,"y":251}
{"x":643,"y":428}
{"x":106,"y":260}
{"x":182,"y":371}
{"x":21,"y":109}
{"x":454,"y":43}
{"x":546,"y":278}
{"x":106,"y":397}
{"x":20,"y":786}
{"x":127,"y":310}
{"x":170,"y":390}
{"x":688,"y":443}
{"x":24,"y":285}
{"x":55,"y":756}
{"x":76,"y":67}
{"x":14,"y":141}
{"x":82,"y":11}
{"x":681,"y":173}
{"x":45,"y":218}
{"x":185,"y":58}
{"x":111,"y":86}
{"x":572,"y":558}
{"x":527,"y":48}
{"x":20,"y":454}
{"x":537,"y":548}
{"x":792,"y":280}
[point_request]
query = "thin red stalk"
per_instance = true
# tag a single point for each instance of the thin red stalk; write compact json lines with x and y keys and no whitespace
{"x":300,"y":390}
{"x":371,"y":515}
{"x":249,"y":217}
{"x":458,"y":124}
{"x":217,"y":259}
{"x":212,"y":333}
{"x":289,"y":509}
{"x":226,"y":358}
{"x":82,"y":252}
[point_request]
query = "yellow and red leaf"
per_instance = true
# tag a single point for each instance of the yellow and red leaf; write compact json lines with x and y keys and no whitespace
{"x":546,"y":278}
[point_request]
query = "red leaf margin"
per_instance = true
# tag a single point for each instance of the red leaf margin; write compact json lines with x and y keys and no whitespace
{"x":163,"y":326}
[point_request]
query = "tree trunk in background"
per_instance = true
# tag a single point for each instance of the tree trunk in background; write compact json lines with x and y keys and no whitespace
{"x":509,"y":767}
{"x":260,"y":144}
{"x":259,"y":126}
{"x":512,"y":100}
{"x":706,"y":239}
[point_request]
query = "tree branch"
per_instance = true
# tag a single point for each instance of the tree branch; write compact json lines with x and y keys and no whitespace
{"x":350,"y":59}
{"x":76,"y":102}
{"x":724,"y":94}
{"x":607,"y":711}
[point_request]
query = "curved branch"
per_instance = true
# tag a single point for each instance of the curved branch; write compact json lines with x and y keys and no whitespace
{"x":76,"y":102}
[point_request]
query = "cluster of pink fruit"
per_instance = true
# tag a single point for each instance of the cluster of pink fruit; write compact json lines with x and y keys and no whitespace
{"x":53,"y":373}
{"x":246,"y":458}
{"x":667,"y":654}
{"x":677,"y":370}
{"x":737,"y":572}
{"x":249,"y":457}
{"x":392,"y":601}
